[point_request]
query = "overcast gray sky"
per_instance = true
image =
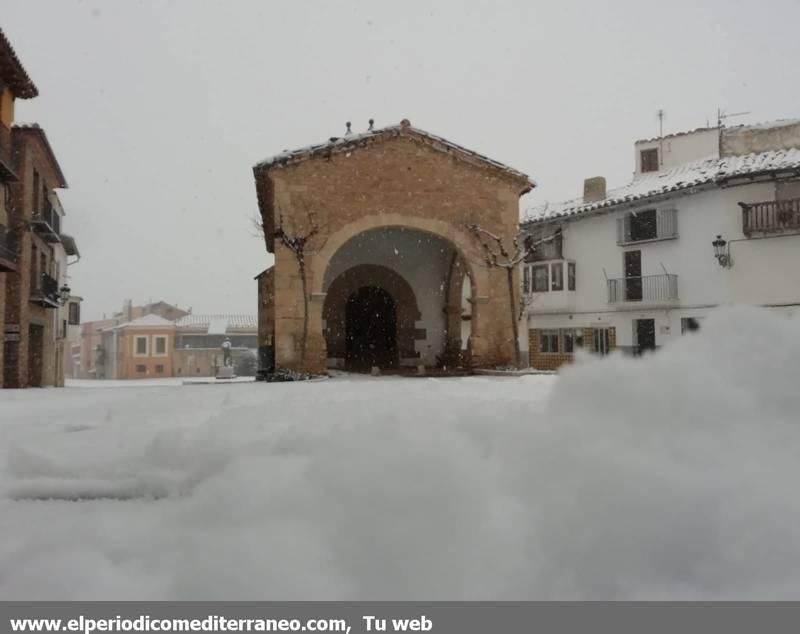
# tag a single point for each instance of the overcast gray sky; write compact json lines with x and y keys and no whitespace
{"x":158,"y":110}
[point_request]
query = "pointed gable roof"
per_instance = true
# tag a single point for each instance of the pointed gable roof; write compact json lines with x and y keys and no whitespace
{"x":337,"y":145}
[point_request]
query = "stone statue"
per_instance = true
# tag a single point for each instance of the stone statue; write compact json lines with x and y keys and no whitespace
{"x":226,"y":352}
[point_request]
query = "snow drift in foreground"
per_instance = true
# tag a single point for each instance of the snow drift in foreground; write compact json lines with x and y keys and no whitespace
{"x":672,"y":476}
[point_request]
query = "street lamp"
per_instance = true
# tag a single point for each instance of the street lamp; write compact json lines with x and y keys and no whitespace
{"x":722,"y":251}
{"x":64,"y":294}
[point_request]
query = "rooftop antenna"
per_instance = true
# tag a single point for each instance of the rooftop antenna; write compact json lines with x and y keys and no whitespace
{"x":722,"y":116}
{"x":660,"y":114}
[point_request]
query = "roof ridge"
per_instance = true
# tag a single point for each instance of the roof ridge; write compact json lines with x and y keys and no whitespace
{"x":338,"y":144}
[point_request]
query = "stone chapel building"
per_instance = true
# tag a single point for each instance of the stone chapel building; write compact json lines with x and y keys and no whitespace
{"x":374,"y":262}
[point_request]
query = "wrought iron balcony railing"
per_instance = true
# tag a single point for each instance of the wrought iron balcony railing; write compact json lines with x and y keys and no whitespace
{"x":646,"y":288}
{"x":46,"y":294}
{"x":771,"y":216}
{"x":47,"y":223}
{"x":647,"y":226}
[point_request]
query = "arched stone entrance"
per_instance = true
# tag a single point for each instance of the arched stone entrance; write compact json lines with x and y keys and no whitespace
{"x":398,"y":179}
{"x":370,"y":304}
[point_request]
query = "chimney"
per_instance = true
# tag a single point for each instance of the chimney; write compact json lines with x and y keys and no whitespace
{"x":594,"y":189}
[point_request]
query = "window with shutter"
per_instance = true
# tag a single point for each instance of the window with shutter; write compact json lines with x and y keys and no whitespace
{"x":649,"y":160}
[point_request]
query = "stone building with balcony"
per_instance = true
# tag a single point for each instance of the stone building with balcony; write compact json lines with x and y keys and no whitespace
{"x":33,"y":248}
{"x":712,"y":217}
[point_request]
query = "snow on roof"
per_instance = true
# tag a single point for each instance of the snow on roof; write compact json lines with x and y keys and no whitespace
{"x":219,"y":323}
{"x":148,"y":321}
{"x":217,"y":326}
{"x":683,"y":177}
{"x":676,"y":134}
{"x":767,"y":125}
{"x":336,"y":145}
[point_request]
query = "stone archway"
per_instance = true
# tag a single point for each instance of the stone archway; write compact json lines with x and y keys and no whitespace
{"x":339,"y":330}
{"x":465,"y":245}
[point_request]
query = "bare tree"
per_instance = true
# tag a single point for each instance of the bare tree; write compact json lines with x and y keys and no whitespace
{"x":497,"y":255}
{"x":297,"y":243}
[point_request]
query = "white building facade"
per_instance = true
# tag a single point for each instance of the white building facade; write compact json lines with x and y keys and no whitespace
{"x":66,"y":326}
{"x":636,"y":267}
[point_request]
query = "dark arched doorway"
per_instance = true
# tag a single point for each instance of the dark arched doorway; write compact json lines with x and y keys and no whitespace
{"x":370,"y":329}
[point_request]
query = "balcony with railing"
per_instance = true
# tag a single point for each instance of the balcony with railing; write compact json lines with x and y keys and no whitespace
{"x":651,"y":289}
{"x":648,"y":225}
{"x":45,"y":294}
{"x":771,"y":216}
{"x":8,"y":252}
{"x":47,"y":223}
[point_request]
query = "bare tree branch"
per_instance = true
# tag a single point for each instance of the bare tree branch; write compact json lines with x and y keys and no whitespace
{"x":297,"y":244}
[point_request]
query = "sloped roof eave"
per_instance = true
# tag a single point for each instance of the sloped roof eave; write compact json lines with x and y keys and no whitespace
{"x":39,"y":132}
{"x":16,"y":76}
{"x":688,"y":178}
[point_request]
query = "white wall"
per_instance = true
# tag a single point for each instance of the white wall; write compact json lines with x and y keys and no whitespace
{"x":681,"y":148}
{"x":421,"y":259}
{"x":763,"y":271}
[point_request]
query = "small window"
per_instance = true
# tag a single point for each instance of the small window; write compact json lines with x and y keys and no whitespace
{"x":141,"y":369}
{"x":571,"y":276}
{"x":140,"y":346}
{"x":649,"y":160}
{"x":526,"y":279}
{"x":557,"y":274}
{"x":198,"y":370}
{"x":74,"y":313}
{"x":159,"y":369}
{"x":180,"y":370}
{"x":689,"y":324}
{"x":540,"y":278}
{"x":548,"y":341}
{"x":160,"y":345}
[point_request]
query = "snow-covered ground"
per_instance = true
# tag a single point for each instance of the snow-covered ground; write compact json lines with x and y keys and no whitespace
{"x":672,"y":476}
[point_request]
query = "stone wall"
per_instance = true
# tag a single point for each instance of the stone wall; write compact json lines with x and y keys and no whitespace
{"x":266,"y":307}
{"x":749,"y":139}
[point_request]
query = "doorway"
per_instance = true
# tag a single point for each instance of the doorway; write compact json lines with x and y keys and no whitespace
{"x":370,"y":330}
{"x":645,"y":332}
{"x":633,"y":276}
